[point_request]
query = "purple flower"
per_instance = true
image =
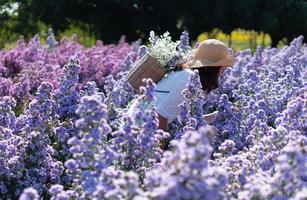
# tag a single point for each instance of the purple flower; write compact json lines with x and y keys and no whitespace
{"x":67,"y":97}
{"x":184,"y":173}
{"x":5,"y":86}
{"x":7,"y":116}
{"x":193,"y":101}
{"x":71,"y":165}
{"x":142,"y":51}
{"x":52,"y":43}
{"x":69,"y":137}
{"x":137,"y":143}
{"x":29,"y":194}
{"x":227,"y":146}
{"x":42,"y":110}
{"x":184,"y":45}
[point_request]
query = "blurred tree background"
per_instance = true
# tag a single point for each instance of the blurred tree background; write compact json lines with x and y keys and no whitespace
{"x":108,"y":20}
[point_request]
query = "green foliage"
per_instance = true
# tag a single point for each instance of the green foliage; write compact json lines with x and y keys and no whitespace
{"x":85,"y":36}
{"x":109,"y":19}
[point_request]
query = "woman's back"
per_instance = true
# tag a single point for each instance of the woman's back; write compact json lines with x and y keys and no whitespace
{"x":168,"y":93}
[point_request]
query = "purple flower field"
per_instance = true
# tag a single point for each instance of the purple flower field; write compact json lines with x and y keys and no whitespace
{"x":64,"y":132}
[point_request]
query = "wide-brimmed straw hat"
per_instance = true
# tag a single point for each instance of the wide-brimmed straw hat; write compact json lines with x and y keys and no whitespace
{"x":211,"y":53}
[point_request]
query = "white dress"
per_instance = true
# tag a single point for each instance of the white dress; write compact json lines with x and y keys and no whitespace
{"x":168,"y":94}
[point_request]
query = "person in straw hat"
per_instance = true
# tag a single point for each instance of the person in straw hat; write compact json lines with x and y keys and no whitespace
{"x":210,"y":59}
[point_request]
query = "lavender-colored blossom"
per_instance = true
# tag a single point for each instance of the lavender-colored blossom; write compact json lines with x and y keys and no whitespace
{"x":51,"y":41}
{"x":289,"y":176}
{"x":5,"y":86}
{"x":193,"y":101}
{"x":89,"y":146}
{"x":27,"y":160}
{"x":29,"y":194}
{"x":255,"y":150}
{"x":90,"y":88}
{"x":42,"y":111}
{"x":58,"y":193}
{"x":295,"y":115}
{"x":7,"y":116}
{"x":40,"y":154}
{"x":32,"y":63}
{"x":126,"y":66}
{"x":227,"y":146}
{"x":142,"y":51}
{"x":138,"y":142}
{"x":67,"y":97}
{"x":184,"y":45}
{"x":183,"y":53}
{"x":184,"y":173}
{"x":117,"y":184}
{"x":228,"y":122}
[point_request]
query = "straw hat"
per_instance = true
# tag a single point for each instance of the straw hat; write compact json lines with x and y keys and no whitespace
{"x":211,"y":53}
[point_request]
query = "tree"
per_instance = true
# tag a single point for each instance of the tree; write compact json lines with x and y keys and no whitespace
{"x":109,"y":19}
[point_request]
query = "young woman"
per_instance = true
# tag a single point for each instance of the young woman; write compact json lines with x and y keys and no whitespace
{"x":210,"y":59}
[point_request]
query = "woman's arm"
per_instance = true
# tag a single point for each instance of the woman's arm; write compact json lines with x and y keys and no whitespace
{"x":162,"y":122}
{"x":210,"y":118}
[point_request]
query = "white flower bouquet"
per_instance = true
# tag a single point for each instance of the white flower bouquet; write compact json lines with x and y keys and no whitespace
{"x":161,"y":55}
{"x":169,"y":53}
{"x":162,"y":48}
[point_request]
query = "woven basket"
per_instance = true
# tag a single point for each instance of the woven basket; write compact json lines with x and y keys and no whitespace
{"x":146,"y":67}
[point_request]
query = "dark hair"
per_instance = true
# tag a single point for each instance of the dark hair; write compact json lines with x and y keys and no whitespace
{"x":209,"y":77}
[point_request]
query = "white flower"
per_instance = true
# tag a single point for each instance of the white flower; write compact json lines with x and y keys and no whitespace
{"x":162,"y":48}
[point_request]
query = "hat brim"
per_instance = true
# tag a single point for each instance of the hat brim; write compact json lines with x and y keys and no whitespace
{"x":195,"y":63}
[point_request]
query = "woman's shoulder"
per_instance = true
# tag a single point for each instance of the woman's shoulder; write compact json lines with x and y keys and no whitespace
{"x":175,"y":82}
{"x":181,"y":73}
{"x":188,"y":71}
